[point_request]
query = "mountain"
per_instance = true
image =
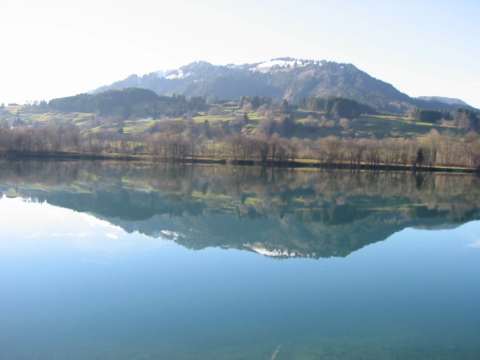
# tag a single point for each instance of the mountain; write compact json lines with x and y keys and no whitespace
{"x":282,"y":78}
{"x":445,"y":100}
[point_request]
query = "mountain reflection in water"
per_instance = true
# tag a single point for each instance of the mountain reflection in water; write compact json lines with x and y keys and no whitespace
{"x":274,"y":212}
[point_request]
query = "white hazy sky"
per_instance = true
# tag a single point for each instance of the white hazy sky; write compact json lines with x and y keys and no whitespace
{"x":54,"y":48}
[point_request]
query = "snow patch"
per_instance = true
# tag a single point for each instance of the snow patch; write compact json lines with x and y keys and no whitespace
{"x":277,"y":63}
{"x":271,"y":252}
{"x":284,"y":64}
{"x":170,"y":235}
{"x":175,"y":75}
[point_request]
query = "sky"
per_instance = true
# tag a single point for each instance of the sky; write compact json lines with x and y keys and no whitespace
{"x":54,"y":48}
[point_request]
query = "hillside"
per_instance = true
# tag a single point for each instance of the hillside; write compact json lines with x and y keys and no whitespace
{"x":127,"y":103}
{"x":282,"y":78}
{"x":445,"y":100}
{"x":319,"y":131}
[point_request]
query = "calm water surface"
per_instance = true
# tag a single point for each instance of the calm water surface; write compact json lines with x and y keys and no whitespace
{"x":104,"y":260}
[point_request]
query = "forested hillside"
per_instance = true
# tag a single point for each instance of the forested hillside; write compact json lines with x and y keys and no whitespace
{"x":282,"y":78}
{"x":128,"y":103}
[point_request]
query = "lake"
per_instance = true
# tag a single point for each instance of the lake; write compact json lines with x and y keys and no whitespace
{"x":124,"y":260}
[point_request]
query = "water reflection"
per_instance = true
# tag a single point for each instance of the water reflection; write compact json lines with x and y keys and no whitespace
{"x":90,"y":267}
{"x":274,"y":212}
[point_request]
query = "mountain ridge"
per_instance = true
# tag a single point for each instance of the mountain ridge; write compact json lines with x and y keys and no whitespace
{"x":282,"y":78}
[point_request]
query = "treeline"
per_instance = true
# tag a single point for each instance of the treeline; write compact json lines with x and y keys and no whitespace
{"x":135,"y":103}
{"x":254,"y":102}
{"x":337,"y":107}
{"x":127,"y":103}
{"x":432,"y":150}
{"x":432,"y":189}
{"x":49,"y":139}
{"x":463,"y":118}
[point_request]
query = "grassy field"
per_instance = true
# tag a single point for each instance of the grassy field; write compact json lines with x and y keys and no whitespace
{"x":369,"y":126}
{"x":200,"y":119}
{"x":395,"y":126}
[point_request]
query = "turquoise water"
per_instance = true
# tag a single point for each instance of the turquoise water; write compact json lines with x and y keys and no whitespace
{"x":132,"y":261}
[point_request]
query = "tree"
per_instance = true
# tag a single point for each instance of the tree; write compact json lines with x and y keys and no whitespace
{"x":431,"y":116}
{"x":338,"y":107}
{"x":467,"y":119}
{"x":420,"y":157}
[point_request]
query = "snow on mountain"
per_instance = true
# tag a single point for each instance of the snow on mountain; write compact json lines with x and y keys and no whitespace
{"x":281,"y":78}
{"x":283,"y":64}
{"x":259,"y":249}
{"x":175,"y":74}
{"x":273,"y":65}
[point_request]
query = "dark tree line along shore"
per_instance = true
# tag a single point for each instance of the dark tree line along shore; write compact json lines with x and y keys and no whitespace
{"x":431,"y":150}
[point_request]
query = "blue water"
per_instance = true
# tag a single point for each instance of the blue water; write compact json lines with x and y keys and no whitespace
{"x":79,"y":285}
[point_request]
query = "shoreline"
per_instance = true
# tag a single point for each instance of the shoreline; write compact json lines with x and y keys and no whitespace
{"x":296,"y":164}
